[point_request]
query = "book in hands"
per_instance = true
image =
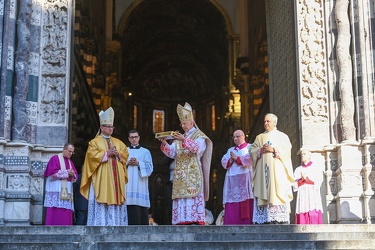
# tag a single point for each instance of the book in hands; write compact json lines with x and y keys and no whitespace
{"x":167,"y":135}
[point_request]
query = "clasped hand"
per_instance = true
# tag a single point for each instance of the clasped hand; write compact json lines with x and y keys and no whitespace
{"x":112,"y":151}
{"x":71,"y":172}
{"x":233,"y":156}
{"x":133,"y":162}
{"x":267,"y":148}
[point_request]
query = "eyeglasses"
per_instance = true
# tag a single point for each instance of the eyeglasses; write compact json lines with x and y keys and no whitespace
{"x":70,"y":151}
{"x":237,"y":136}
{"x":108,"y":126}
{"x":133,"y":137}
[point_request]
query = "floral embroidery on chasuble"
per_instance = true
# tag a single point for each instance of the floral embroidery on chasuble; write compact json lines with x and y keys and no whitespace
{"x":188,"y":175}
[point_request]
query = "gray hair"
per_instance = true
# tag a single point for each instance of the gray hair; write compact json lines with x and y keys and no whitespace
{"x":273,"y":116}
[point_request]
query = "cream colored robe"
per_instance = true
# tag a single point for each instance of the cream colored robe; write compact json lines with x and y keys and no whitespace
{"x":109,"y":188}
{"x":273,"y":177}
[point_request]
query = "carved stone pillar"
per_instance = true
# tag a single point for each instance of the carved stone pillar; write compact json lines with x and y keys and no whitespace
{"x":8,"y":37}
{"x":17,"y":181}
{"x":361,"y":17}
{"x":312,"y":77}
{"x":368,"y":177}
{"x":349,"y":207}
{"x":41,"y":102}
{"x":54,"y":87}
{"x":327,"y":105}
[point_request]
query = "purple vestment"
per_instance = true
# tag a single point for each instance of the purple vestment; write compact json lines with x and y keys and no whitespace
{"x":59,"y":212}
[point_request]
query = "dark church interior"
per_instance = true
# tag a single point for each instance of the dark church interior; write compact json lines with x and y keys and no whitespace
{"x":163,"y":53}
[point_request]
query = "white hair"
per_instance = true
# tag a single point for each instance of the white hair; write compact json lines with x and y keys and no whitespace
{"x":273,"y":116}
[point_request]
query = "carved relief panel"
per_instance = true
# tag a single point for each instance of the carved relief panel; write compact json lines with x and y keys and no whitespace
{"x":55,"y":44}
{"x":17,"y":182}
{"x":36,"y":188}
{"x":52,"y":108}
{"x":311,"y":59}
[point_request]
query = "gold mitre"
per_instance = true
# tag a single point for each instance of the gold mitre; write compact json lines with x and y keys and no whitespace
{"x":107,"y":117}
{"x":185,"y":113}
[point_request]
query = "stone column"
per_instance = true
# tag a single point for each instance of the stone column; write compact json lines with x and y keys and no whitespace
{"x":327,"y":104}
{"x":312,"y":77}
{"x":344,"y":63}
{"x":350,"y":189}
{"x":7,"y":66}
{"x":368,"y":177}
{"x":19,"y":130}
{"x":41,"y":103}
{"x":361,"y":17}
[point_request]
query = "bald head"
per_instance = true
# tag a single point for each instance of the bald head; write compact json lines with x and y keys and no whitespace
{"x":238,"y":137}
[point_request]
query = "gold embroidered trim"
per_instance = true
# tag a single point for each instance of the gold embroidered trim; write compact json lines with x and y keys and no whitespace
{"x":188,"y":175}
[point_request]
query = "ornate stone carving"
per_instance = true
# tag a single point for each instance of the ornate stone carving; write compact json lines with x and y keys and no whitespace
{"x":312,"y":53}
{"x":54,"y":61}
{"x":333,"y":185}
{"x":334,"y":165}
{"x":52,"y":108}
{"x":54,"y":37}
{"x":36,"y":187}
{"x":18,"y":182}
{"x":16,"y":151}
{"x":371,"y":179}
{"x":372,"y":158}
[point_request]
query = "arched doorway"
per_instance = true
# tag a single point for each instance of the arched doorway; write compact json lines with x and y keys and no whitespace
{"x":160,"y":54}
{"x":172,"y":52}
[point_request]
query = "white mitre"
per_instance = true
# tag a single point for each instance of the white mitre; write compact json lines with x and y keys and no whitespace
{"x":107,"y":117}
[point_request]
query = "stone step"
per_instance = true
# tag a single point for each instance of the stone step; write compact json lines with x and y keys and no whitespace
{"x":80,"y":230}
{"x":163,"y":237}
{"x":358,"y":236}
{"x":277,"y":245}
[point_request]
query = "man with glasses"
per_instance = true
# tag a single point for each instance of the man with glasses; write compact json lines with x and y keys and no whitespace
{"x":104,"y":176}
{"x":139,"y":167}
{"x":60,"y":175}
{"x":238,"y":197}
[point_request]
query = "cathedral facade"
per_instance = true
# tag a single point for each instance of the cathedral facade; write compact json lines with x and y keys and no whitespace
{"x":310,"y":62}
